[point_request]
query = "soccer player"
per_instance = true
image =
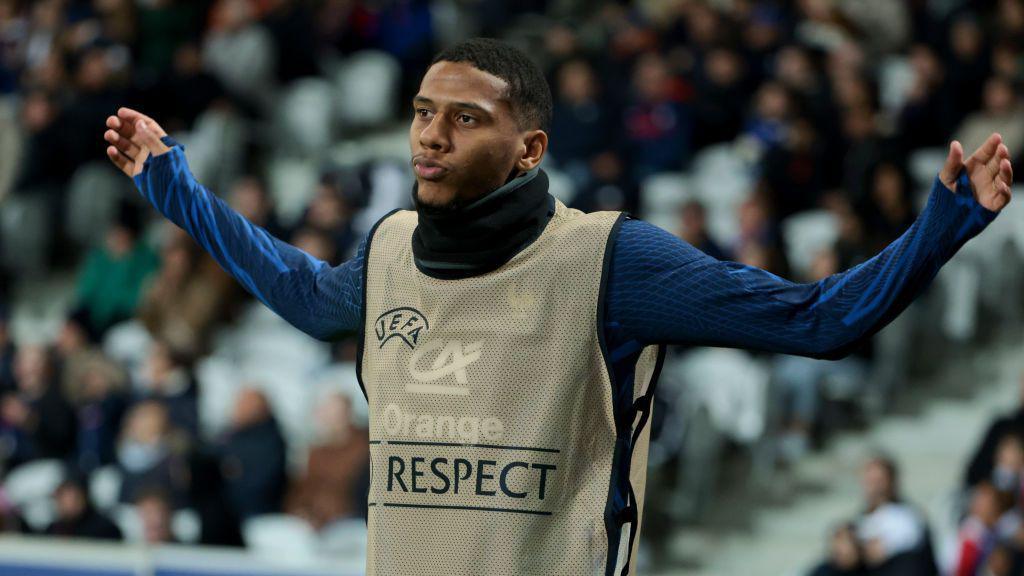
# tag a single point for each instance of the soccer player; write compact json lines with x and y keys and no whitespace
{"x":509,"y":346}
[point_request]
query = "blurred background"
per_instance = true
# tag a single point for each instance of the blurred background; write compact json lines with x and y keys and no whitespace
{"x":156,"y":419}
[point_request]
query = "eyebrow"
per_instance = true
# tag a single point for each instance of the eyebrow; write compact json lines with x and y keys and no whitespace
{"x":463,"y":105}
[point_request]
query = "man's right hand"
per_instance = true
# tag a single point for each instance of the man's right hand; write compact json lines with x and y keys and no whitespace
{"x":133,"y":136}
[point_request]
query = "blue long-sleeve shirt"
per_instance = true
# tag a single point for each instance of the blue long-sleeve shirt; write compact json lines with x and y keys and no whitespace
{"x":661,"y":290}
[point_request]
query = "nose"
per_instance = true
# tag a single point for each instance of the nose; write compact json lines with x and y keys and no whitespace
{"x":435,"y":134}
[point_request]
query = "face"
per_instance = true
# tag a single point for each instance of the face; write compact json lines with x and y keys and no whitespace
{"x":464,"y":138}
{"x":876,"y":482}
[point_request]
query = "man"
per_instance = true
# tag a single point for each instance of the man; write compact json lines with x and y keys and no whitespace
{"x":510,"y":345}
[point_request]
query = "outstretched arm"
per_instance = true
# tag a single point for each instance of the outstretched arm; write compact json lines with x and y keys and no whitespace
{"x":320,"y":300}
{"x":662,"y":290}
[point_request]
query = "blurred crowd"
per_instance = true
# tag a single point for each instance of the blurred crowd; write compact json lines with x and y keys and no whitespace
{"x":816,"y":106}
{"x":892,"y":535}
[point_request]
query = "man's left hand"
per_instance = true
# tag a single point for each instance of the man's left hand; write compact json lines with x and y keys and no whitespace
{"x":988,"y":168}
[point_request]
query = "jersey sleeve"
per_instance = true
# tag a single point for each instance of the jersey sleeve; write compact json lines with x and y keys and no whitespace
{"x":321,"y":300}
{"x":663,"y":290}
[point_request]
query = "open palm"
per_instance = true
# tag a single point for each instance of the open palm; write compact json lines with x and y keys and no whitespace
{"x":988,"y":169}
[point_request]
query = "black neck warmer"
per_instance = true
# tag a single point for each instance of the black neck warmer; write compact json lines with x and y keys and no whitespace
{"x":483,"y":235}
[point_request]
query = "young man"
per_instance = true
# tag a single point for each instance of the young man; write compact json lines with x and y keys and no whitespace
{"x":510,"y":345}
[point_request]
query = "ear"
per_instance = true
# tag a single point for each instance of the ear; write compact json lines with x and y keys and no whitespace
{"x":535,"y":144}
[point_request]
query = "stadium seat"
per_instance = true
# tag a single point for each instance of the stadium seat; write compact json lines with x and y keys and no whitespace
{"x":105,"y":487}
{"x":186,"y":526}
{"x":280,"y":536}
{"x":344,"y":539}
{"x":721,"y":180}
{"x":25,"y":233}
{"x":366,"y":85}
{"x":732,"y":384}
{"x":33,"y":481}
{"x":292,"y":183}
{"x":661,"y":197}
{"x":92,"y":197}
{"x":127,"y":343}
{"x":305,"y":115}
{"x":128,"y":521}
{"x":807,"y":234}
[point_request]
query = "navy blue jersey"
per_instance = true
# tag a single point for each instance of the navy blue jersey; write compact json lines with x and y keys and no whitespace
{"x":661,"y":290}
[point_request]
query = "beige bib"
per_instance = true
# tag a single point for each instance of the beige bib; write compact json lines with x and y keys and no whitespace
{"x":492,"y":427}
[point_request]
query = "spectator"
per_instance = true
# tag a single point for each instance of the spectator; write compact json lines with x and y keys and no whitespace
{"x":336,"y":466}
{"x":149,"y":455}
{"x":980,"y":532}
{"x":167,"y":378}
{"x":982,"y":463}
{"x":845,"y":557}
{"x":248,"y":195}
{"x":580,"y":125}
{"x":1008,"y":473}
{"x":98,"y":392}
{"x":253,"y":458}
{"x":893,"y":533}
{"x":76,"y":517}
{"x":35,"y":420}
{"x":180,"y":304}
{"x":155,"y":514}
{"x":657,"y":120}
{"x":1001,"y":112}
{"x":8,"y":351}
{"x":240,"y":53}
{"x":693,"y":228}
{"x":111,"y":279}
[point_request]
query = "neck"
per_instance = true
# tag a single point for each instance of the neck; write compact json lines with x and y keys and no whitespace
{"x":485,"y":234}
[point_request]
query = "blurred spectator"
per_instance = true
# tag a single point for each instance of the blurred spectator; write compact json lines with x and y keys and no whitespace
{"x":889,"y":210}
{"x":253,"y":458}
{"x":968,"y":65}
{"x":1008,"y":474}
{"x":180,"y":304}
{"x":8,"y":350}
{"x":845,"y":557}
{"x":338,"y":462}
{"x":149,"y":455}
{"x":658,"y":120}
{"x":76,"y":517}
{"x":982,"y":529}
{"x":927,"y":117}
{"x":155,"y":513}
{"x":167,"y":378}
{"x":721,"y":98}
{"x":290,"y":22}
{"x":982,"y":464}
{"x":693,"y":228}
{"x":35,"y":420}
{"x":111,"y":279}
{"x":98,"y":390}
{"x":1001,"y":112}
{"x":581,"y":123}
{"x":182,"y":95}
{"x":248,"y":195}
{"x":240,"y":53}
{"x":893,"y":533}
{"x":330,"y":214}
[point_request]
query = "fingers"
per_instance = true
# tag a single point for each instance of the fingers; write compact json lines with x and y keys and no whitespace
{"x":954,"y":161}
{"x":1006,"y":172}
{"x":988,"y":150}
{"x":120,"y":160}
{"x":146,"y":136}
{"x":132,"y":117}
{"x":125,"y":145}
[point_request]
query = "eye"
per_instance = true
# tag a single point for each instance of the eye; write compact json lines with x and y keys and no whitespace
{"x":423,"y":112}
{"x":466,"y":119}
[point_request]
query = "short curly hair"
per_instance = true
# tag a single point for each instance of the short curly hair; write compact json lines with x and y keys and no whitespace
{"x":528,"y":92}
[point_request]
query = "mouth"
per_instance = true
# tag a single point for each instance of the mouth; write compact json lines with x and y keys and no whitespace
{"x":427,"y":169}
